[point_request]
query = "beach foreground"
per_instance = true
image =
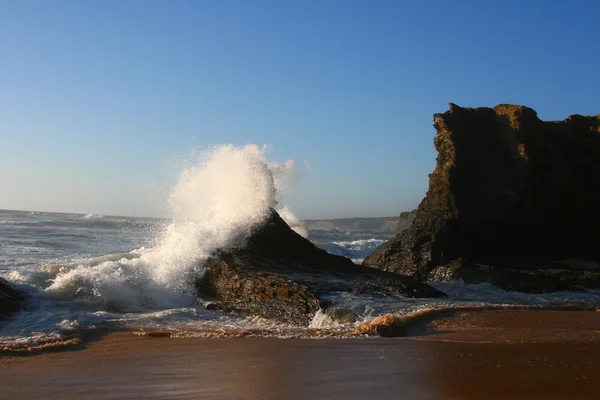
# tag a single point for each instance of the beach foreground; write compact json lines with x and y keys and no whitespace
{"x":470,"y":355}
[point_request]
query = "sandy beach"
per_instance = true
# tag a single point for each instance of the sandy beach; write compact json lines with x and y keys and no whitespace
{"x":470,"y":355}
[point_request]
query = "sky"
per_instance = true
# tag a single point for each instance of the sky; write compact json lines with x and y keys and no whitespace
{"x":100,"y":101}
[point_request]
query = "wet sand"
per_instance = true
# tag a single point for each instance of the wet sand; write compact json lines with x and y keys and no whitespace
{"x":471,"y":355}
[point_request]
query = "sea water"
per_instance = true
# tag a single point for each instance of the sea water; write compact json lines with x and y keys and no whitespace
{"x":89,"y":272}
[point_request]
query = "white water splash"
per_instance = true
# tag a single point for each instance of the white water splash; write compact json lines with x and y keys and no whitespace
{"x":361,"y":244}
{"x":93,"y":216}
{"x":290,"y":218}
{"x":214,"y":205}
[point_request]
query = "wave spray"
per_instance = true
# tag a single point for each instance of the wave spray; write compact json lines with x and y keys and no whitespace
{"x":214,"y":205}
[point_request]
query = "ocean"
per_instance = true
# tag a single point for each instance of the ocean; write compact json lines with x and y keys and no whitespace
{"x":90,"y":272}
{"x":86,"y":273}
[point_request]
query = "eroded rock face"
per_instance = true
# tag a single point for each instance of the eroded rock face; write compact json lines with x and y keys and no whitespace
{"x":510,"y":195}
{"x":281,"y":275}
{"x":10,"y":298}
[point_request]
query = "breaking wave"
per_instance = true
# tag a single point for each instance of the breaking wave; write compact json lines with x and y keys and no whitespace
{"x":93,"y":216}
{"x":213,"y":205}
{"x":361,"y":244}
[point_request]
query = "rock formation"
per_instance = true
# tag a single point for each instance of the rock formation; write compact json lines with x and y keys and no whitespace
{"x":10,"y":298}
{"x":510,"y":197}
{"x":281,"y":275}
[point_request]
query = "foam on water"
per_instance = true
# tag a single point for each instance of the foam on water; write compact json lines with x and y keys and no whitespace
{"x":354,"y":246}
{"x":360,"y":244}
{"x":359,"y":247}
{"x":93,"y":216}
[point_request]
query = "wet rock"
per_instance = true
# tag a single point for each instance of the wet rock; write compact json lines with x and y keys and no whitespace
{"x":281,"y":275}
{"x":512,"y":277}
{"x":10,"y":298}
{"x":509,"y":196}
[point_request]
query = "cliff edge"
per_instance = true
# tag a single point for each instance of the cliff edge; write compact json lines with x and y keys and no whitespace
{"x":511,"y":197}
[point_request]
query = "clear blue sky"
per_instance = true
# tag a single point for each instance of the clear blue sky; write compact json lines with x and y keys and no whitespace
{"x":98,"y":99}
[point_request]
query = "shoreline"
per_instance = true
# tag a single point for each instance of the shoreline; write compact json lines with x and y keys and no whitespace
{"x":469,"y":355}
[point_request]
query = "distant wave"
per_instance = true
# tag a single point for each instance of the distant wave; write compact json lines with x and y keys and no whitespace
{"x":12,"y":222}
{"x":95,"y":222}
{"x":327,"y":230}
{"x":93,"y":216}
{"x":360,"y":244}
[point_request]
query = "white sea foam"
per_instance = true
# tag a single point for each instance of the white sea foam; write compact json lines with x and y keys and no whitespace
{"x":322,"y":320}
{"x":93,"y":216}
{"x":290,"y":218}
{"x":360,"y":244}
{"x":13,"y":222}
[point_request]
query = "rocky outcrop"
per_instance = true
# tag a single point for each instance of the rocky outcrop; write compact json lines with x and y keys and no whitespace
{"x":510,"y":195}
{"x":10,"y":298}
{"x":281,"y":275}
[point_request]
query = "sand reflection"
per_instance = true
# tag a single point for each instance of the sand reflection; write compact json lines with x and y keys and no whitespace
{"x":485,"y":355}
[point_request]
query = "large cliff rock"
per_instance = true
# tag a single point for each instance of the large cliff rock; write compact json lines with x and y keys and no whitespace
{"x":509,"y":197}
{"x":281,"y":275}
{"x":10,"y":298}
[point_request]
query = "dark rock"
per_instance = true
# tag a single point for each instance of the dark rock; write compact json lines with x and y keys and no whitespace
{"x":10,"y":298}
{"x":510,"y":194}
{"x":281,"y":275}
{"x":519,"y":277}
